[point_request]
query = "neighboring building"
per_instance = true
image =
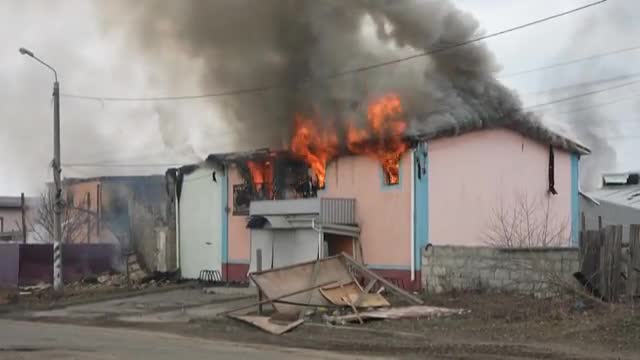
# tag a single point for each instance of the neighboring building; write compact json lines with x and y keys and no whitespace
{"x":131,"y":211}
{"x":446,"y":193}
{"x":617,"y":202}
{"x":11,"y":213}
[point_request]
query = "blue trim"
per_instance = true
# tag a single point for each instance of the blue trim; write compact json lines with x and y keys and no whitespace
{"x":388,"y":267}
{"x":224,"y":200}
{"x":421,"y":203}
{"x":575,"y":202}
{"x":383,"y":184}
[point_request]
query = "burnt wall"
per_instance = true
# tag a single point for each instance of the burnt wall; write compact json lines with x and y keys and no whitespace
{"x":135,"y":206}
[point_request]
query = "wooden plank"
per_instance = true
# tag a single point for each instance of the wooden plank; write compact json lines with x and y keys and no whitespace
{"x":633,"y":276}
{"x":355,"y":311}
{"x":411,"y":312}
{"x":348,"y":294}
{"x":280,"y":281}
{"x":610,"y":263}
{"x":387,"y":284}
{"x":616,"y":264}
{"x":366,"y":290}
{"x":312,"y":281}
{"x":264,"y":323}
{"x":606,"y":236}
{"x":591,"y":260}
{"x":337,"y":294}
{"x":370,"y":301}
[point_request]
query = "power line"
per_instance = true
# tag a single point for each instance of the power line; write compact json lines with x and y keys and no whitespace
{"x":577,"y":96}
{"x":115,"y":162}
{"x":98,"y":165}
{"x":595,"y":106}
{"x":570,"y":62}
{"x":584,"y":84}
{"x":623,"y":137}
{"x":337,"y":74}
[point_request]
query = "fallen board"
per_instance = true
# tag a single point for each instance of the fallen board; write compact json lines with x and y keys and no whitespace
{"x":265,"y":323}
{"x":349,"y":293}
{"x":286,"y":280}
{"x":408,"y":312}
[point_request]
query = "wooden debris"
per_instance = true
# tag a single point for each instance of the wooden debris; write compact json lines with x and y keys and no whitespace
{"x":268,"y":300}
{"x":355,"y":311}
{"x":265,"y":323}
{"x":337,"y":294}
{"x":352,"y":295}
{"x":366,"y":272}
{"x":633,"y":277}
{"x":408,"y":312}
{"x":288,"y":279}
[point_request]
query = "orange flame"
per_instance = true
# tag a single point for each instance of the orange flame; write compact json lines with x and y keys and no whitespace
{"x":384,"y":138}
{"x":315,"y":147}
{"x":261,"y":175}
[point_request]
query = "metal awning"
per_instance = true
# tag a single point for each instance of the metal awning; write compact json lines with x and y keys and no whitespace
{"x":268,"y":222}
{"x":279,"y":222}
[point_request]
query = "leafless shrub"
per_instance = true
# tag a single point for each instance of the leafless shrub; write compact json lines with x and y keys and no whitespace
{"x":527,"y":223}
{"x":73,"y":220}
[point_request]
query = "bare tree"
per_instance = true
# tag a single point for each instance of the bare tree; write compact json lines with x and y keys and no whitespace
{"x":527,"y":223}
{"x":73,"y":221}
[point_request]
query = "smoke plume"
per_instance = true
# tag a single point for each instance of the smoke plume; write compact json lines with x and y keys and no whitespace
{"x":296,"y":44}
{"x":590,"y":122}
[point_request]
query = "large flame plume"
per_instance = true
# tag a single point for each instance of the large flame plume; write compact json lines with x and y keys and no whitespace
{"x":261,"y":177}
{"x":382,"y":139}
{"x":316,"y":147}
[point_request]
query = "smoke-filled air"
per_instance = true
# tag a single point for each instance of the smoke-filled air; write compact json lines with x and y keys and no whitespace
{"x":295,"y":45}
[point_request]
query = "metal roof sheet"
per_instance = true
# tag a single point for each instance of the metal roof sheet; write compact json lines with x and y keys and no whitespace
{"x":625,"y":195}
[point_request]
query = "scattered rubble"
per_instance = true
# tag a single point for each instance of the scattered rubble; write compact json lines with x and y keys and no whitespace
{"x":408,"y":312}
{"x":134,"y":272}
{"x":349,"y":289}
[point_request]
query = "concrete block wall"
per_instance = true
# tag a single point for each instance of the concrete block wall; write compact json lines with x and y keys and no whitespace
{"x":530,"y":271}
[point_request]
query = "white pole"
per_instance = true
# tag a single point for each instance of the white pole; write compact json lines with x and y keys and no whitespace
{"x":177,"y":226}
{"x":413,"y":215}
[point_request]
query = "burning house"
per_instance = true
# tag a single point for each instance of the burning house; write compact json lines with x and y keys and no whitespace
{"x":379,"y":192}
{"x":383,"y":155}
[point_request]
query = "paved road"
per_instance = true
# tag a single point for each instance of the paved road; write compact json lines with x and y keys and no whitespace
{"x":40,"y":341}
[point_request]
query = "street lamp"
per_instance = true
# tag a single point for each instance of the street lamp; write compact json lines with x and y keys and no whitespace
{"x":57,"y":224}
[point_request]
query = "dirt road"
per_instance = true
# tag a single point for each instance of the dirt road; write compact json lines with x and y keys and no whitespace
{"x":29,"y":340}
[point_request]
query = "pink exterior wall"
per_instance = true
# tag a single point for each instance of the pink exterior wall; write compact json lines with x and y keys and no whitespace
{"x":473,"y":175}
{"x":238,"y":233}
{"x":383,"y":212}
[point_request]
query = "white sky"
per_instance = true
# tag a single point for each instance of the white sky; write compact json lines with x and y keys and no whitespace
{"x":67,"y":35}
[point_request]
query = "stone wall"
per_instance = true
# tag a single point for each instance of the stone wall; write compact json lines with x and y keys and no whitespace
{"x":531,"y":271}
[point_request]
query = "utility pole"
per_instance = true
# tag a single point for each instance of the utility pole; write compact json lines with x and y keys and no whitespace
{"x":24,"y":222}
{"x":57,"y":212}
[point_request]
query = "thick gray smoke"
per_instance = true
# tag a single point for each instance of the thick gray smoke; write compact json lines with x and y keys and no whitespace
{"x":592,"y":123}
{"x":246,"y":43}
{"x":592,"y":129}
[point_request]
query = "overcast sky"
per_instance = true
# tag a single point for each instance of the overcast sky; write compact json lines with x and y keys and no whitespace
{"x":67,"y":34}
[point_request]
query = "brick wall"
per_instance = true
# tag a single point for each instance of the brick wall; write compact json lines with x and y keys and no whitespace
{"x":531,"y":271}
